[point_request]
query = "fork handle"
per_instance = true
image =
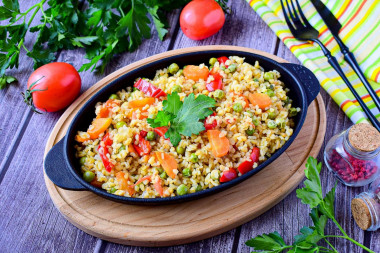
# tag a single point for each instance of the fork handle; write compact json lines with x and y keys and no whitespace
{"x":335,"y":64}
{"x":350,"y":58}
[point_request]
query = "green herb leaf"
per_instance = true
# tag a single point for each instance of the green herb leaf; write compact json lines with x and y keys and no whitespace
{"x":160,"y":27}
{"x":328,"y":203}
{"x":319,"y":221}
{"x":311,"y":194}
{"x":272,"y":242}
{"x":172,"y":104}
{"x":162,"y":119}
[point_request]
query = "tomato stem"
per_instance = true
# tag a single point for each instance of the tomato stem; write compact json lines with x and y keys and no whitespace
{"x":28,"y":97}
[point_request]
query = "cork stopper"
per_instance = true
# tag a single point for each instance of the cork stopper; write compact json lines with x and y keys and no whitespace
{"x":364,"y":137}
{"x":361,"y":213}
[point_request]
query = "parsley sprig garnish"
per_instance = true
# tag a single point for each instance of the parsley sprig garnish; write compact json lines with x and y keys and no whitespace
{"x":183,"y":118}
{"x":103,"y":28}
{"x":322,"y":210}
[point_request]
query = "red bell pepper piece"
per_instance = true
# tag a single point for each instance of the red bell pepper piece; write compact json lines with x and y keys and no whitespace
{"x":149,"y":89}
{"x":107,"y":140}
{"x":245,"y":166}
{"x":103,"y":151}
{"x":213,"y":124}
{"x":228,"y":175}
{"x":161,"y":131}
{"x":222,"y":61}
{"x":143,"y":148}
{"x":143,"y":133}
{"x":255,"y":154}
{"x":216,"y":84}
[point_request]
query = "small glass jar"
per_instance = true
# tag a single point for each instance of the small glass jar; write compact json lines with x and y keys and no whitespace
{"x":366,"y":208}
{"x":354,"y":155}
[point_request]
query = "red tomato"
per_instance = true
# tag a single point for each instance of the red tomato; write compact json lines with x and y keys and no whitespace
{"x":161,"y":131}
{"x":222,"y":61}
{"x":201,"y":18}
{"x":212,"y":125}
{"x":57,"y":84}
{"x":228,"y":175}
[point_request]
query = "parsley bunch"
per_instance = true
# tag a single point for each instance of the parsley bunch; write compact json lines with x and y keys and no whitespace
{"x":322,"y":209}
{"x":183,"y":117}
{"x":104,"y":28}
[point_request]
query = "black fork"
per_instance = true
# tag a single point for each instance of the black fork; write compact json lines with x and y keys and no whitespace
{"x":302,"y":30}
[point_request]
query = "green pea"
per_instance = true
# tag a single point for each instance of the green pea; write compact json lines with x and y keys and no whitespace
{"x":250,"y":132}
{"x":232,"y":68}
{"x":163,"y":175}
{"x":272,"y":124}
{"x":199,"y":188}
{"x":180,"y":150}
{"x":268,"y":76}
{"x":215,"y":174}
{"x":113,"y":190}
{"x":120,"y":124}
{"x":219,"y":94}
{"x":82,"y":160}
{"x":194,"y":158}
{"x":150,"y":136}
{"x":237,"y":107}
{"x":182,"y":189}
{"x":122,"y":148}
{"x":134,"y":89}
{"x":270,"y":93}
{"x":272,"y":115}
{"x":173,"y":68}
{"x":212,"y":61}
{"x":292,"y":112}
{"x":159,"y":169}
{"x":280,"y":123}
{"x":88,"y":176}
{"x":180,"y":72}
{"x":286,"y":101}
{"x":176,"y":88}
{"x":223,"y":67}
{"x":186,"y":172}
{"x":114,"y":96}
{"x":255,"y":121}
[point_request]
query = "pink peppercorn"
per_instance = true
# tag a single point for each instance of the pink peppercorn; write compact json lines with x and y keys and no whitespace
{"x":354,"y":155}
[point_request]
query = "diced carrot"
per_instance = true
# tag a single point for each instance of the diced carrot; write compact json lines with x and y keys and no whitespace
{"x":167,"y":162}
{"x":78,"y":138}
{"x":123,"y":184}
{"x":246,"y":101}
{"x":219,"y":145}
{"x":99,"y":126}
{"x":141,"y":102}
{"x":260,"y":99}
{"x":158,"y":186}
{"x":103,"y":113}
{"x":195,"y":72}
{"x":111,"y":103}
{"x":131,"y":149}
{"x":143,"y":179}
{"x":131,"y":190}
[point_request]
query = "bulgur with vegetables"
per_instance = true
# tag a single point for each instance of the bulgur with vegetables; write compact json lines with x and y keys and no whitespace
{"x":186,"y":130}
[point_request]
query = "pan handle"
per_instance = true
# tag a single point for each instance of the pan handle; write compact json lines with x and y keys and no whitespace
{"x":57,"y":171}
{"x":307,"y":78}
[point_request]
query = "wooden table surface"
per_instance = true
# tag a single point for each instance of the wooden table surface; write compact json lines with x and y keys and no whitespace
{"x":29,"y":222}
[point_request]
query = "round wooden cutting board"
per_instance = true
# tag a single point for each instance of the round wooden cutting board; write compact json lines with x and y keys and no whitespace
{"x":195,"y":220}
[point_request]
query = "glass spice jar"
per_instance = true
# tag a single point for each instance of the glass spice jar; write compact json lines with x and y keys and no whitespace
{"x":354,"y":155}
{"x":366,"y":208}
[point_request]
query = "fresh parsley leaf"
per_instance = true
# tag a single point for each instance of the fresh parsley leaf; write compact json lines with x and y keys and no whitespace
{"x":4,"y":80}
{"x":162,"y":119}
{"x":272,"y":242}
{"x":160,"y":26}
{"x":311,"y":194}
{"x":172,"y":104}
{"x":328,"y":203}
{"x":319,"y":221}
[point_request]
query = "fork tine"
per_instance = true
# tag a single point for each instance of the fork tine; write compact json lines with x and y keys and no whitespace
{"x":304,"y":19}
{"x":290,"y":25}
{"x":290,"y":11}
{"x":294,"y":11}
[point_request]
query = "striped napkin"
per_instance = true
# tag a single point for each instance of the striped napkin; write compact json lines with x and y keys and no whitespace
{"x":360,"y":31}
